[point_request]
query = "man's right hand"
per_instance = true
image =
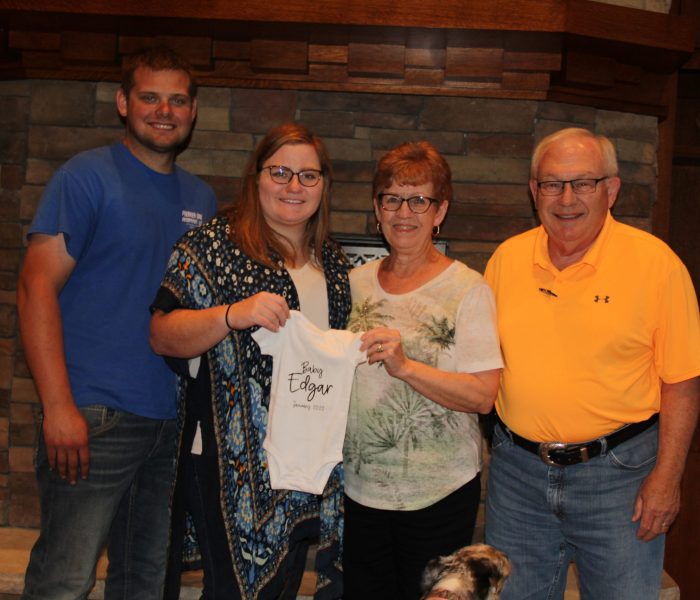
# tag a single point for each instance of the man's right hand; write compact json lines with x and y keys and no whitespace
{"x":47,"y":267}
{"x":66,"y":439}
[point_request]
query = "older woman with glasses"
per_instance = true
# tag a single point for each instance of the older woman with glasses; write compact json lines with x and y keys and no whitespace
{"x":239,"y":272}
{"x":413,"y":446}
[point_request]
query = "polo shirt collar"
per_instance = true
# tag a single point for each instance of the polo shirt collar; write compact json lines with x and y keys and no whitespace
{"x":592,"y":258}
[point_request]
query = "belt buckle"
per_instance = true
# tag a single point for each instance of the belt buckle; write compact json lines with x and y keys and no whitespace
{"x":545,"y":448}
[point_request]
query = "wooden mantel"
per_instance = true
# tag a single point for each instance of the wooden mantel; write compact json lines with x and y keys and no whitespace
{"x":576,"y":51}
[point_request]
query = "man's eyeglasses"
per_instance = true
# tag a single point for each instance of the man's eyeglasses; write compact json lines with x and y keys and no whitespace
{"x":417,"y":204}
{"x":578,"y":186}
{"x":280,"y":174}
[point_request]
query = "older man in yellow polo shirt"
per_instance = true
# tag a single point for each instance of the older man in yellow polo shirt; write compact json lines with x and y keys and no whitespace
{"x":600,"y":335}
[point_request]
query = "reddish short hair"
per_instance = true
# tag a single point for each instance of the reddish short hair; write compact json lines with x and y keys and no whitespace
{"x":414,"y":163}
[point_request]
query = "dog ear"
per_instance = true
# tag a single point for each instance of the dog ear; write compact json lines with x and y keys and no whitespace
{"x":502,"y":564}
{"x":489,"y":573}
{"x":432,"y":573}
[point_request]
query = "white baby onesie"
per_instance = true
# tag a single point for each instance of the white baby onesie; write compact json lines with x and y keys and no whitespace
{"x":312,"y":373}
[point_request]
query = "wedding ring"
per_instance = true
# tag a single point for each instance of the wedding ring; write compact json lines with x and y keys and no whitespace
{"x":380,"y":348}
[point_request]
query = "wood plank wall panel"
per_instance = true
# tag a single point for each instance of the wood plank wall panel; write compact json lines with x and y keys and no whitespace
{"x":34,"y":40}
{"x":86,"y":47}
{"x":546,"y":49}
{"x":380,"y":60}
{"x":279,"y":56}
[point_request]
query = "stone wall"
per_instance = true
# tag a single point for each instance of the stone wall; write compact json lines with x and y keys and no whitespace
{"x":487,"y":143}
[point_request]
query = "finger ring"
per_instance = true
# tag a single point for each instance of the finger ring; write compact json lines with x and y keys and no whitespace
{"x":380,"y":348}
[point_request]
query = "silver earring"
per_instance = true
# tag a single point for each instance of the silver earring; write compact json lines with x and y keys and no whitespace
{"x":436,"y":230}
{"x":379,"y":227}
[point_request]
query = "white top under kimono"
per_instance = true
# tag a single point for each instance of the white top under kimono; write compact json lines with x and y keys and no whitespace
{"x":312,"y":374}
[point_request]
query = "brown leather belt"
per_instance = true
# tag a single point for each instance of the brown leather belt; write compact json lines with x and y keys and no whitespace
{"x":558,"y":454}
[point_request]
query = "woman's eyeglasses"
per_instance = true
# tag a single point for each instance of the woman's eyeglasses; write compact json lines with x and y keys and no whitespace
{"x":417,"y":204}
{"x":280,"y":174}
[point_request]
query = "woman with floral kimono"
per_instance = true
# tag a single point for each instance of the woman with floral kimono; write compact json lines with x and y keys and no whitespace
{"x":243,"y":270}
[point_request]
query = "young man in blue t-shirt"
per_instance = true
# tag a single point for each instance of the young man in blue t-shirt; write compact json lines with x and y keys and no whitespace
{"x":97,"y":250}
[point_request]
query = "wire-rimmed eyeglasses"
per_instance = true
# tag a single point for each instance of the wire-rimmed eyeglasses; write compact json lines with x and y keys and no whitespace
{"x":578,"y":186}
{"x":417,"y":204}
{"x":282,"y":174}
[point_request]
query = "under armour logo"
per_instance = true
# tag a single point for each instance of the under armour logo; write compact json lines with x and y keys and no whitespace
{"x":605,"y":299}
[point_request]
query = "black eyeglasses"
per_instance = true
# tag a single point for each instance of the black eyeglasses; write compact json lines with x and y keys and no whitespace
{"x":417,"y":204}
{"x":578,"y":186}
{"x":280,"y":174}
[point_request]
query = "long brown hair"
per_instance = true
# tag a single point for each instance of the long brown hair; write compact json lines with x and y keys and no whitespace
{"x":250,"y":231}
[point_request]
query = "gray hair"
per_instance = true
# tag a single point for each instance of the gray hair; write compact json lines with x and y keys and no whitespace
{"x":607,"y":150}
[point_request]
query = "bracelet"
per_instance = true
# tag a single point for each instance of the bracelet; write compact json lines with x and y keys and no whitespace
{"x":228,"y":308}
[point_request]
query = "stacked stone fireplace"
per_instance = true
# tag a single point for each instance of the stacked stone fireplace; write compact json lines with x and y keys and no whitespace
{"x":486,"y":141}
{"x":481,"y":81}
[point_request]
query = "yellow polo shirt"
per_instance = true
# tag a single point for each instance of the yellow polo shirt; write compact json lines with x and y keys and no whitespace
{"x":586,"y":348}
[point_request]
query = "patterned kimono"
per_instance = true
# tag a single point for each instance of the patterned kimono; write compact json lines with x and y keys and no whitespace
{"x":206,"y":269}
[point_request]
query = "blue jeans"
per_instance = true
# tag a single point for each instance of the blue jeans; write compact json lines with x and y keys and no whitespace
{"x":124,"y":501}
{"x":543,"y":517}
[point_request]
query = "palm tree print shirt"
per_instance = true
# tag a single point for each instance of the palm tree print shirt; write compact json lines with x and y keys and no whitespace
{"x":403,"y":451}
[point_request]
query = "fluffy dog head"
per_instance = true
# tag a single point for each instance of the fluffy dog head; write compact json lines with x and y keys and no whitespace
{"x":475,"y":572}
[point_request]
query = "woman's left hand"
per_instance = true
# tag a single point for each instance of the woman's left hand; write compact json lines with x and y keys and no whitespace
{"x":464,"y":392}
{"x":384,"y":345}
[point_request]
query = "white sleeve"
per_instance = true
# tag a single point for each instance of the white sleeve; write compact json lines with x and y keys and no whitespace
{"x":193,"y":366}
{"x":477,"y":347}
{"x":359,"y":356}
{"x":271,"y":341}
{"x":265,"y":339}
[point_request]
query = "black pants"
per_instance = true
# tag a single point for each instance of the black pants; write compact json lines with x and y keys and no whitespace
{"x":385,"y":551}
{"x":197,"y":492}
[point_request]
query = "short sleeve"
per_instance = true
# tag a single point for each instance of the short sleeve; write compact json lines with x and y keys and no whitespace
{"x":67,"y":207}
{"x":477,"y":346}
{"x":165,"y":301}
{"x":184,"y":280}
{"x":677,"y":343}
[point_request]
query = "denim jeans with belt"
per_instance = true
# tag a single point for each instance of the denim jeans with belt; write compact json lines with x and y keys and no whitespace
{"x":544,"y":516}
{"x":124,"y":502}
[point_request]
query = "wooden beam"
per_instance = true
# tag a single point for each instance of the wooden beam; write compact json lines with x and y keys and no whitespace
{"x":527,"y":15}
{"x":661,"y":211}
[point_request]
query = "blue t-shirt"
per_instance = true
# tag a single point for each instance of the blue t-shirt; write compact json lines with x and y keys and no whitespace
{"x":120,"y":220}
